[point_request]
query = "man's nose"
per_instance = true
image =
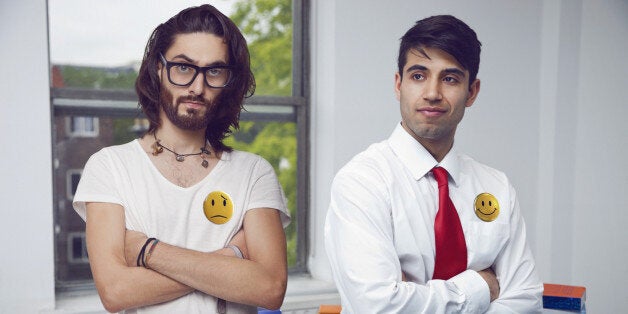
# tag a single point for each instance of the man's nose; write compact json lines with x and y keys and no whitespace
{"x":432,"y":90}
{"x":198,"y":84}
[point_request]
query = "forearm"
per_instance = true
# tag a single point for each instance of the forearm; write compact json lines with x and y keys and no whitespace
{"x":529,"y":301}
{"x":229,"y":278}
{"x":131,"y":287}
{"x":520,"y":287}
{"x":128,"y":286}
{"x":466,"y":293}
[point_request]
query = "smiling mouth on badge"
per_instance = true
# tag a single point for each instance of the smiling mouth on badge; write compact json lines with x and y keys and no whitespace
{"x":494,"y":210}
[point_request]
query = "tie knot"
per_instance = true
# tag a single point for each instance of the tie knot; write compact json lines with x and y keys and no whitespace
{"x":440,"y":174}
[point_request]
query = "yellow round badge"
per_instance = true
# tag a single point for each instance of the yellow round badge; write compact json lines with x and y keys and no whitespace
{"x":218,"y":207}
{"x":486,"y":207}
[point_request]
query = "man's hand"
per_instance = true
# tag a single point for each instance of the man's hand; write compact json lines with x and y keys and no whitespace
{"x":493,"y":285}
{"x":133,"y":242}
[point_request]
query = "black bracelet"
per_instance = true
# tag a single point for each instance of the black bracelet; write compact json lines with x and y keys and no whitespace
{"x":140,"y":257}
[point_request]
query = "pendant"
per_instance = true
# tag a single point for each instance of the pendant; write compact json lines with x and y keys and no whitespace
{"x":205,"y":163}
{"x":157,"y":149}
{"x":180,"y":158}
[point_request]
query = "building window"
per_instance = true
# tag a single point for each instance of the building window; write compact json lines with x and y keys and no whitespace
{"x":95,"y":105}
{"x":73,"y":177}
{"x":77,"y":248}
{"x":78,"y":126}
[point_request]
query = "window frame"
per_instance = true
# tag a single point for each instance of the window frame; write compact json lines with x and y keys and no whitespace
{"x":72,"y":131}
{"x":123,"y":104}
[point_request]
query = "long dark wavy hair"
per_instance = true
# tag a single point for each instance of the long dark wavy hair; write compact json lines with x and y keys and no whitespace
{"x":229,"y":103}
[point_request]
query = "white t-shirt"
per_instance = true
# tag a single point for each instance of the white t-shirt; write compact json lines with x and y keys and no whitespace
{"x":380,"y":223}
{"x":125,"y":175}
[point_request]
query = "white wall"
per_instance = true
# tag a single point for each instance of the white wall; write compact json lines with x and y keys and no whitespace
{"x":599,"y":235}
{"x":27,"y":262}
{"x":549,"y":115}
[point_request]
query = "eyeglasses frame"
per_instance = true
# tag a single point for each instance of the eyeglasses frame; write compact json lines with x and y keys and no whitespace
{"x":203,"y":70}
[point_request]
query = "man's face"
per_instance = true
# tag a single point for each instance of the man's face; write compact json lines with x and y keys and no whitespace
{"x":433,"y":95}
{"x":189,"y":107}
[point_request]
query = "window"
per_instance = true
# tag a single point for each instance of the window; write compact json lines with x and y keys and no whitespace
{"x":73,"y":177}
{"x":82,"y":126}
{"x":95,"y":105}
{"x":77,"y":248}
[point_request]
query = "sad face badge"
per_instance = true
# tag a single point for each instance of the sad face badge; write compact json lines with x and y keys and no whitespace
{"x":218,"y":207}
{"x":486,"y":207}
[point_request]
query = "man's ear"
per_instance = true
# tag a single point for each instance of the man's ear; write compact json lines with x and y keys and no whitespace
{"x":398,"y":86}
{"x":474,"y":90}
{"x":159,"y":67}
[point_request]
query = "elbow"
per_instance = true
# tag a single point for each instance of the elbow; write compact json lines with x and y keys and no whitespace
{"x":111,"y":299}
{"x":272,"y":298}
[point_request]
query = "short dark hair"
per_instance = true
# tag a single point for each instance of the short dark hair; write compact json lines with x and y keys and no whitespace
{"x":229,"y":103}
{"x":446,"y":33}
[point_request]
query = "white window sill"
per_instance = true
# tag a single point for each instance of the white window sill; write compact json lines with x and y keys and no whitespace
{"x":303,"y":296}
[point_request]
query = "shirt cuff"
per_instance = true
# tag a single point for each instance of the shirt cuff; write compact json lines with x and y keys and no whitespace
{"x":475,"y":290}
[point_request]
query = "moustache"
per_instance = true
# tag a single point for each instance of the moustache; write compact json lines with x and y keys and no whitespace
{"x":192,"y":98}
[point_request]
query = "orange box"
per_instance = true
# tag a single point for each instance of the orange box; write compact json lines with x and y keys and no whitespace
{"x":329,"y":309}
{"x":564,"y":297}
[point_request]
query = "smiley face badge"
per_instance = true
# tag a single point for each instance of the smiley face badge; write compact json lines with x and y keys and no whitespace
{"x":218,"y":207}
{"x":486,"y":207}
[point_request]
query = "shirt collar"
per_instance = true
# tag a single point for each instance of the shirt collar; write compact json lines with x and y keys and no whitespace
{"x":417,"y":159}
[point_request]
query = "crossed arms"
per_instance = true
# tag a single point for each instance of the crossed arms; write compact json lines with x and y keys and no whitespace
{"x":176,"y":271}
{"x":369,"y":248}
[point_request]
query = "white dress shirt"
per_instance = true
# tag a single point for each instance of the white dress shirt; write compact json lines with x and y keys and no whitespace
{"x":380,"y":223}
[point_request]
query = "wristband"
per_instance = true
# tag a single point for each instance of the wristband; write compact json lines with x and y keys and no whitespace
{"x":150,"y":251}
{"x":140,"y":256}
{"x":236,"y":250}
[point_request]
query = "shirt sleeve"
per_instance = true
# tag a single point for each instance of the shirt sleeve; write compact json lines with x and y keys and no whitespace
{"x":359,"y":242}
{"x":521,"y":290}
{"x":266,"y":192}
{"x":97,"y":184}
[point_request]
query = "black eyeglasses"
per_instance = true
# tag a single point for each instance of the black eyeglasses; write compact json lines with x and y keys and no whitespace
{"x":183,"y":74}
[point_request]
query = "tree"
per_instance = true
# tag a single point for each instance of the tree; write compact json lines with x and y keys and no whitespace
{"x":276,"y":142}
{"x":267,"y":26}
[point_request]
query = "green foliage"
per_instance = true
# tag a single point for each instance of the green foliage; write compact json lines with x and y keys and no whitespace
{"x":267,"y":26}
{"x":98,"y":78}
{"x":276,"y":142}
{"x":122,"y":131}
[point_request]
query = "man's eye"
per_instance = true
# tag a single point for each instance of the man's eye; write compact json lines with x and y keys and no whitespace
{"x":215,"y":72}
{"x":417,"y":76}
{"x":183,"y":68}
{"x":450,"y":79}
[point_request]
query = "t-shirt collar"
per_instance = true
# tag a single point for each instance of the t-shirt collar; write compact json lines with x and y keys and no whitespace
{"x":417,"y":159}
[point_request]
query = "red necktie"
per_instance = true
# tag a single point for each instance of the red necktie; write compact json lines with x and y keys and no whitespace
{"x":451,"y":249}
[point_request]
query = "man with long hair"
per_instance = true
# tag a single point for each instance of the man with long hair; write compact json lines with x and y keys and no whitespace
{"x":415,"y":226}
{"x":176,"y":221}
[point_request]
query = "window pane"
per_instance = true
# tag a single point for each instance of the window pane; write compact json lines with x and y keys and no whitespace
{"x":71,"y":154}
{"x":94,"y":52}
{"x":267,"y":26}
{"x":92,"y":45}
{"x":277,"y":143}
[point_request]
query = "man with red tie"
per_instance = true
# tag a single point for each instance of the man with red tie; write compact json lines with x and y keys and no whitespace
{"x":415,"y":226}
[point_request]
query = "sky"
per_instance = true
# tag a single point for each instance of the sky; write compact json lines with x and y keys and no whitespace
{"x":112,"y":32}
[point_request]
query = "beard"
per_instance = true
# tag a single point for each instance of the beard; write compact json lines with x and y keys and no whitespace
{"x":193,"y":119}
